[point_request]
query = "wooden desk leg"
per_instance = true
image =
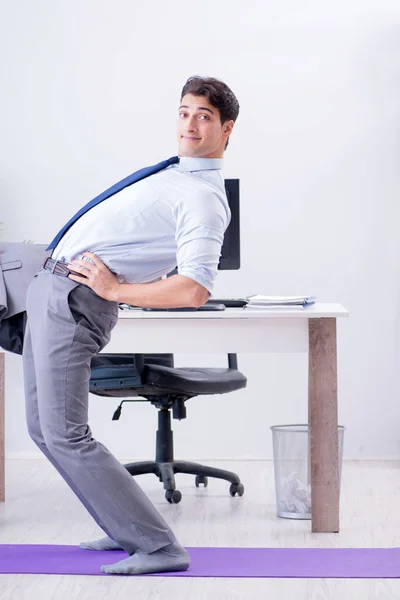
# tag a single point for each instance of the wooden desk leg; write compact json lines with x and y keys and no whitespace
{"x":2,"y":428}
{"x":323,"y":424}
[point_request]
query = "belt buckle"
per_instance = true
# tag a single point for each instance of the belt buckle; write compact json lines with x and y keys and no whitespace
{"x":56,"y":267}
{"x":46,"y":262}
{"x":64,"y":270}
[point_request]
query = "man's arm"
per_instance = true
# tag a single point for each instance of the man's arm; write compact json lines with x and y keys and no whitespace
{"x":176,"y":291}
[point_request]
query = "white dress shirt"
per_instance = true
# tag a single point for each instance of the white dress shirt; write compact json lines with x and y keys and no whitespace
{"x":176,"y":217}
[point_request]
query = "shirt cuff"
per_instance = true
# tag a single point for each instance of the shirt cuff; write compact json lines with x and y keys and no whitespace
{"x":198,"y":277}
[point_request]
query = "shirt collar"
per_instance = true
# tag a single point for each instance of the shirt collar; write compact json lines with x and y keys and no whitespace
{"x":188,"y":163}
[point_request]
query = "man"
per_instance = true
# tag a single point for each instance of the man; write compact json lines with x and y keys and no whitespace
{"x":116,"y":251}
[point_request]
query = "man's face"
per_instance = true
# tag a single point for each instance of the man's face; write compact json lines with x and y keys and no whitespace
{"x":200,"y":132}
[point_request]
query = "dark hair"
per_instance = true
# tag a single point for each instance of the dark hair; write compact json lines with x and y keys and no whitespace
{"x":217,"y":93}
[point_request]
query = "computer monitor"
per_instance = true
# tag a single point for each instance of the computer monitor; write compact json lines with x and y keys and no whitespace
{"x":230,"y":251}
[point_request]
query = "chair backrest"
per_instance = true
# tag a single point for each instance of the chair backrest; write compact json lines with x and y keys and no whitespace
{"x":110,"y":360}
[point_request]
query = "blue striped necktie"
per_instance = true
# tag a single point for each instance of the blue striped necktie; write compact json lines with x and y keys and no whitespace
{"x":117,"y":187}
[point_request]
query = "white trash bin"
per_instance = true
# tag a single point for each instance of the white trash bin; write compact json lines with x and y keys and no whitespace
{"x":291,"y":466}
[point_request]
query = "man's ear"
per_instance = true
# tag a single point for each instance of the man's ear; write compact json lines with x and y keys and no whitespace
{"x":228,"y":127}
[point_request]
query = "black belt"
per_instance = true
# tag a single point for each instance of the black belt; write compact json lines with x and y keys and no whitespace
{"x":59,"y":268}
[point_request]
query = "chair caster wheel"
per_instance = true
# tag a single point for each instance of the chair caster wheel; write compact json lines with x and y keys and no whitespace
{"x":201,"y":479}
{"x":236,"y":488}
{"x":173,"y":496}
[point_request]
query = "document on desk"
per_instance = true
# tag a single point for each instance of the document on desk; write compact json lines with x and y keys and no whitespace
{"x":259,"y":301}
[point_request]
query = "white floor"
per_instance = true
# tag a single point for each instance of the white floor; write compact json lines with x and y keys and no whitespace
{"x":41,"y":509}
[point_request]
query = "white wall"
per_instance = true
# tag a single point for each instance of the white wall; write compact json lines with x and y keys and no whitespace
{"x":89,"y":94}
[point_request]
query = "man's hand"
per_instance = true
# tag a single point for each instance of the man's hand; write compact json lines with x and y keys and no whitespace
{"x":96,"y":276}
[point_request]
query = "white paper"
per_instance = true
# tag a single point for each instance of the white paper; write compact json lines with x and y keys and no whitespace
{"x":261,"y":300}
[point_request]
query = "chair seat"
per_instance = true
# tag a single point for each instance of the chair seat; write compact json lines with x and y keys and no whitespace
{"x":123,"y":380}
{"x":194,"y":380}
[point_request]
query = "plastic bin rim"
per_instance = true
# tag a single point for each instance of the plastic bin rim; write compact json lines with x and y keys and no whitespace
{"x":292,"y":428}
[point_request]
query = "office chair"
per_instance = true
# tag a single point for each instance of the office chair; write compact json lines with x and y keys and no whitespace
{"x":154,"y":378}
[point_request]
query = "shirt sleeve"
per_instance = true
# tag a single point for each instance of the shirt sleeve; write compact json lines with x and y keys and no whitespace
{"x":201,"y":223}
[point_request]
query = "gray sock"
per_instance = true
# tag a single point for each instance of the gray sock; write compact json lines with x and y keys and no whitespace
{"x":105,"y":543}
{"x":170,"y":558}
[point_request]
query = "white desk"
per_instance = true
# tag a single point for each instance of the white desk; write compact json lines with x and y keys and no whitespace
{"x":311,"y":330}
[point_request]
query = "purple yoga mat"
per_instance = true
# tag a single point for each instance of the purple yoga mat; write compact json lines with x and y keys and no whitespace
{"x":214,"y":562}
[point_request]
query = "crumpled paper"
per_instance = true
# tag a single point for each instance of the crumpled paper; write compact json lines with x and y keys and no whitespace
{"x":293,"y":496}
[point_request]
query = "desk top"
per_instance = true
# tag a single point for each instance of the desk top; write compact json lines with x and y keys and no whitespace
{"x":315,"y":311}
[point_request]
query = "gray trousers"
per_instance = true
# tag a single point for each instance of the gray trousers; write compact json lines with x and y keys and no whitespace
{"x":67,"y":325}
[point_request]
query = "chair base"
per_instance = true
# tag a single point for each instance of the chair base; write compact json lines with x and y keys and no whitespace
{"x":165,"y":466}
{"x":166,"y":471}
